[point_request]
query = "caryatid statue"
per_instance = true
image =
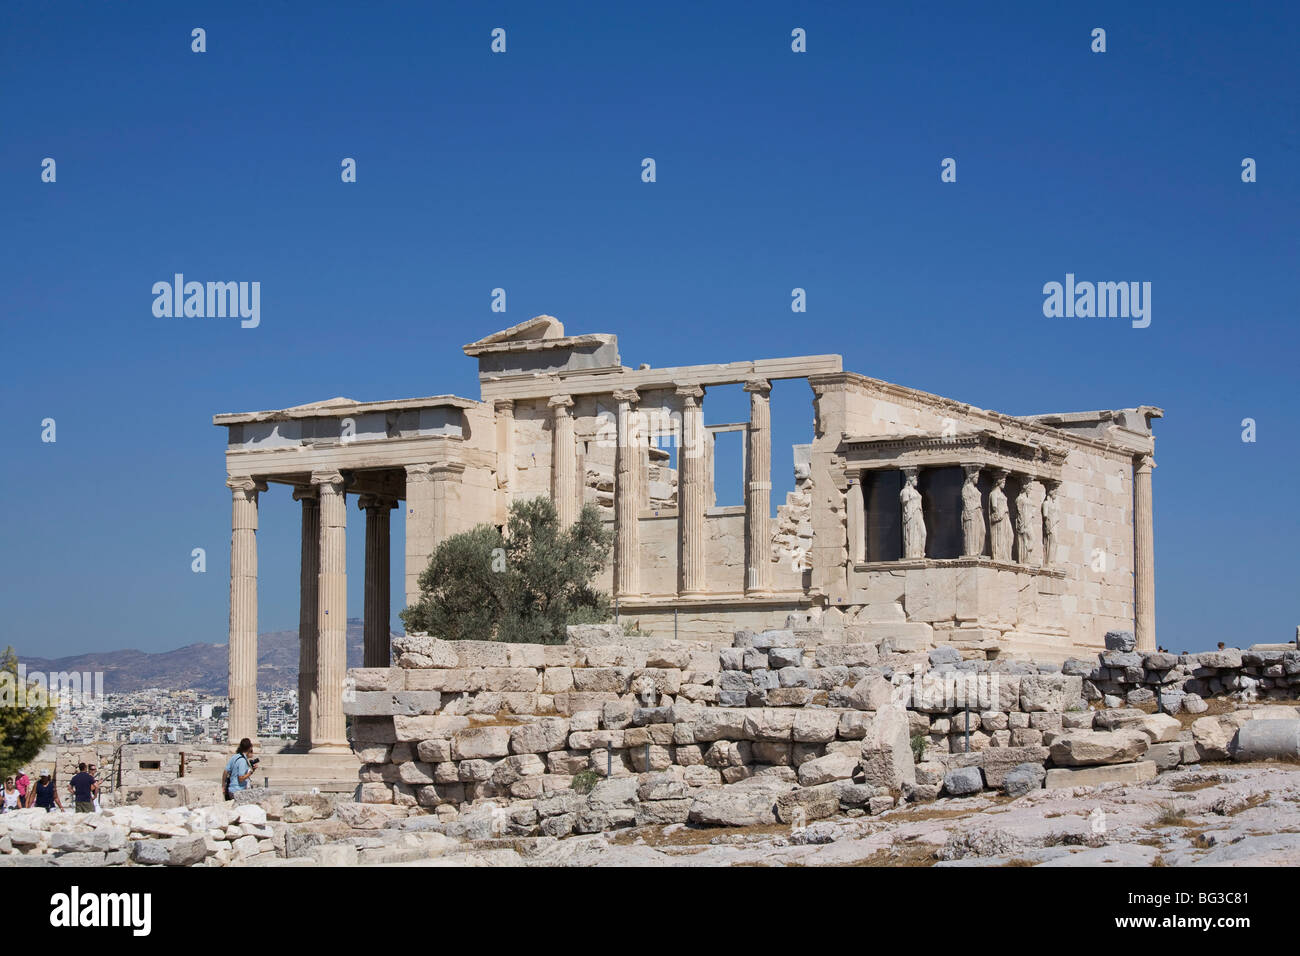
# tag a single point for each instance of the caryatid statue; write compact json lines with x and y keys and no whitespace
{"x":1051,"y":523}
{"x":913,"y":518}
{"x":999,"y":519}
{"x":972,"y":514}
{"x":1027,"y":523}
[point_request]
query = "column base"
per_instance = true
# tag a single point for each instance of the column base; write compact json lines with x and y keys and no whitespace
{"x":331,"y":749}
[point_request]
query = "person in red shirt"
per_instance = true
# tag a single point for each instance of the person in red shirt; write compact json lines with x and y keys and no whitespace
{"x":22,"y":782}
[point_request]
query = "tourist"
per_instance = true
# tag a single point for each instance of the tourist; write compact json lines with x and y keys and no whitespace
{"x":10,"y":801}
{"x":22,"y":782}
{"x":91,"y":770}
{"x":45,"y":794}
{"x":239,"y":769}
{"x":82,"y":786}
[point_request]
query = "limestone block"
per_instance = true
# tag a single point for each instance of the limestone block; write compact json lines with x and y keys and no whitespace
{"x":808,"y":804}
{"x":790,"y":697}
{"x":1159,"y":728}
{"x":827,"y":769}
{"x":1023,"y":778}
{"x":736,"y":806}
{"x":615,"y":680}
{"x":476,"y":742}
{"x":815,"y":726}
{"x":997,"y":762}
{"x":541,"y":736}
{"x":416,"y":773}
{"x":1088,"y":747}
{"x":427,"y":727}
{"x":847,"y":655}
{"x":931,"y":595}
{"x":719,"y":723}
{"x":1166,"y":756}
{"x":768,"y":724}
{"x":1049,"y":692}
{"x":433,"y":751}
{"x":1211,"y":738}
{"x":854,"y":725}
{"x":887,"y":751}
{"x":377,"y":678}
{"x":1139,"y":772}
{"x":872,"y":693}
{"x":454,"y":680}
{"x":519,"y":680}
{"x":1026,"y":737}
{"x":963,"y":781}
{"x":475,"y":654}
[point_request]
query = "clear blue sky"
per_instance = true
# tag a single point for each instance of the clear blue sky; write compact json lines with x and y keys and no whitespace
{"x":522,"y":170}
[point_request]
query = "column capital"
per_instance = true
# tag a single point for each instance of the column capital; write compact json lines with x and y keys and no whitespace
{"x":561,"y":403}
{"x":760,"y":386}
{"x":306,"y":493}
{"x":690,"y":394}
{"x":970,"y":469}
{"x":334,"y":479}
{"x":503,"y":405}
{"x":1144,"y":463}
{"x":245,"y":484}
{"x":629,"y":396}
{"x":431,"y":471}
{"x":376,"y":502}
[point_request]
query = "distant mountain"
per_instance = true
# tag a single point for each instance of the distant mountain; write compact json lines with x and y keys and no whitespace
{"x":200,"y":667}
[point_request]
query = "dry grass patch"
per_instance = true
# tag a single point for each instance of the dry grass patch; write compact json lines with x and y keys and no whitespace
{"x":1171,"y":816}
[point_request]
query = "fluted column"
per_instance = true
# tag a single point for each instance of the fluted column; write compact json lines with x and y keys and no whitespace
{"x":758,"y":490}
{"x":328,"y":734}
{"x":564,"y":475}
{"x":308,"y":599}
{"x":432,"y":490}
{"x":377,"y":651}
{"x":691,"y":490}
{"x":242,"y":714}
{"x":1144,"y":570}
{"x":627,"y":538}
{"x":505,"y":419}
{"x":857,"y":522}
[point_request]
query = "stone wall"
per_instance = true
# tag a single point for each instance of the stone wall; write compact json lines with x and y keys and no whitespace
{"x":794,"y":718}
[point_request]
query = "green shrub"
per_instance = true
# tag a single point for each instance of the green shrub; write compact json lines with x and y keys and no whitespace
{"x":524,"y":587}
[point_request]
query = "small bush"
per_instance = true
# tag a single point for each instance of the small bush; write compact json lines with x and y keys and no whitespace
{"x":918,"y":747}
{"x":584,"y":781}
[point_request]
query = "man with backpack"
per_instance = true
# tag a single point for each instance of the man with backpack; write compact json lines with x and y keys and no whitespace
{"x":239,"y":769}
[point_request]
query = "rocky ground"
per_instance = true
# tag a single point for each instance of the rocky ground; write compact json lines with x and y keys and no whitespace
{"x":1214,"y":816}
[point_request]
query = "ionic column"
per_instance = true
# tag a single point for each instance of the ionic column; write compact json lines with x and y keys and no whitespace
{"x":1144,"y":575}
{"x":627,"y":539}
{"x":758,"y":490}
{"x":328,"y":733}
{"x":691,"y":491}
{"x":505,"y":412}
{"x":564,"y":476}
{"x":430,"y":490}
{"x":377,"y":651}
{"x":308,"y":598}
{"x":242,"y":715}
{"x":857,"y":521}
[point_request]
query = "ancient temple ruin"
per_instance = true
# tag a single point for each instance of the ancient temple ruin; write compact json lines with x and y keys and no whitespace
{"x":914,"y":519}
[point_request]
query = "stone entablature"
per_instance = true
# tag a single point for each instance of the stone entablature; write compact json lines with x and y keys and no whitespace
{"x":987,"y":449}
